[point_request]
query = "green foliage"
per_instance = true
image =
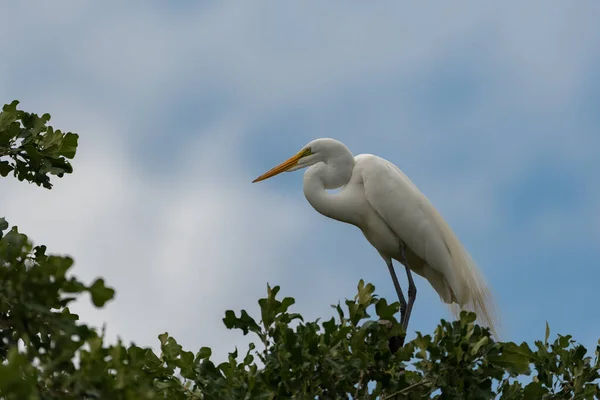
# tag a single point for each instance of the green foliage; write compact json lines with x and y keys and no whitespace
{"x":31,"y":149}
{"x":47,"y":353}
{"x":348,"y":356}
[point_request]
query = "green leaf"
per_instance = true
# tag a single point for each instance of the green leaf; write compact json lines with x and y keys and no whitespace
{"x":171,"y":349}
{"x":364,"y":296}
{"x":515,"y":359}
{"x":14,"y":243}
{"x":480,"y":343}
{"x":5,"y":168}
{"x":386,"y":311}
{"x":8,"y":116}
{"x":61,"y":265}
{"x":269,"y":306}
{"x":204,"y":352}
{"x":163,"y":384}
{"x":151,"y":361}
{"x":547,"y":333}
{"x":285,"y":304}
{"x":534,"y":391}
{"x":245,"y":322}
{"x":163,"y":338}
{"x":185,"y":360}
{"x":563,"y":341}
{"x":100,"y":293}
{"x":68,"y":146}
{"x":467,"y":317}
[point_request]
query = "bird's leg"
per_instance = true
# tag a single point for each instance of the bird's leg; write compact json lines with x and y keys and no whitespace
{"x":403,"y":304}
{"x":412,"y":289}
{"x":396,"y":342}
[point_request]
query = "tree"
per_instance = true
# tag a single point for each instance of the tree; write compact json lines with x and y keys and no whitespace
{"x":47,"y":353}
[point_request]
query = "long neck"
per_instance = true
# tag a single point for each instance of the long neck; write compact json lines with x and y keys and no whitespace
{"x":332,"y":175}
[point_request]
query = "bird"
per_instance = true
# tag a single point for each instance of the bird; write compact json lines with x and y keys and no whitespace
{"x":397,"y":219}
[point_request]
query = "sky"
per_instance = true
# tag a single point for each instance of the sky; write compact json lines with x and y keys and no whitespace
{"x":492,"y":110}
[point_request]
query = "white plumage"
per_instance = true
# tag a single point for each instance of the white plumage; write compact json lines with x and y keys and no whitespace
{"x":379,"y":199}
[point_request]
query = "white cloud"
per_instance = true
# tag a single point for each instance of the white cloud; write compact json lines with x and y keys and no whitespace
{"x":272,"y":56}
{"x":179,"y":252}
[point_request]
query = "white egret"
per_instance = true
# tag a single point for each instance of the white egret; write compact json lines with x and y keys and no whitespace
{"x":397,"y":219}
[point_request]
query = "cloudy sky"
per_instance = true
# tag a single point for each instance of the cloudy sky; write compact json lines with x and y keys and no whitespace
{"x":492,"y":109}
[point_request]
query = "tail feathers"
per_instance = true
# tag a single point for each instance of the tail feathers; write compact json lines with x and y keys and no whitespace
{"x":472,"y":293}
{"x":476,"y":296}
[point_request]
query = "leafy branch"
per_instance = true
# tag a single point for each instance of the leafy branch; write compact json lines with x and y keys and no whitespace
{"x":34,"y":149}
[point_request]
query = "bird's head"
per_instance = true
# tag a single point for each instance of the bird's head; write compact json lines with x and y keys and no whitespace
{"x":316,"y":151}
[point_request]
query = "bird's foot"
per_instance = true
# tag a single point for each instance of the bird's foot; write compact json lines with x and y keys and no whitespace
{"x":396,"y":342}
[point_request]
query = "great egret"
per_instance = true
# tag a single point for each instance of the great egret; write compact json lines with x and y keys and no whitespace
{"x":396,"y":218}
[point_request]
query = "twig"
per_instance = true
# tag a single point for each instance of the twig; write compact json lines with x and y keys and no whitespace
{"x":189,"y":391}
{"x":406,"y":389}
{"x":360,"y":382}
{"x":7,"y":151}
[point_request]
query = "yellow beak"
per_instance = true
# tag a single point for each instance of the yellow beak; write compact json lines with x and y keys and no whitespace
{"x":284,"y":166}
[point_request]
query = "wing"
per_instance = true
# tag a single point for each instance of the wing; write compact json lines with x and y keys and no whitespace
{"x":411,"y":216}
{"x":407,"y":212}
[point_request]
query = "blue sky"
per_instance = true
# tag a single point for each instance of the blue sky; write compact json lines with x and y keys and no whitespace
{"x":491,"y":109}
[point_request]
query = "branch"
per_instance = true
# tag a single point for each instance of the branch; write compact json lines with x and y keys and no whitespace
{"x":360,"y":383}
{"x":406,"y":389}
{"x":7,"y":151}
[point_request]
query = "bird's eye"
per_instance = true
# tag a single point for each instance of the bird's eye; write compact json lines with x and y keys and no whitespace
{"x":306,"y":152}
